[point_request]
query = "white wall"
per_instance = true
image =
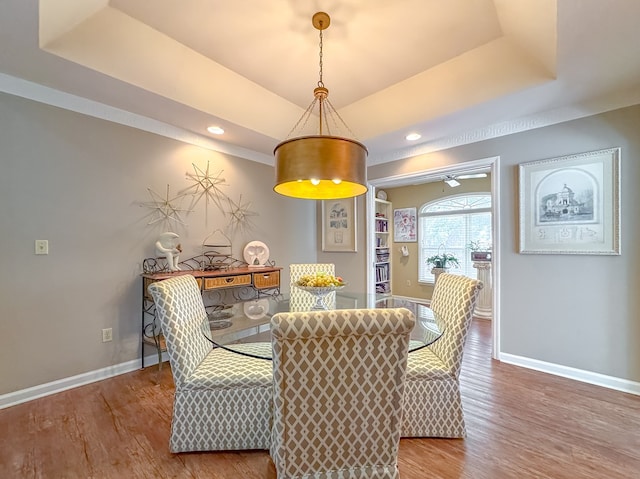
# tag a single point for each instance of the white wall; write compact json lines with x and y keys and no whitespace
{"x":575,"y":311}
{"x":78,"y":182}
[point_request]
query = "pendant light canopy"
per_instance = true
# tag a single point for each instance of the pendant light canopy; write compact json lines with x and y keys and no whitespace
{"x":323,"y":165}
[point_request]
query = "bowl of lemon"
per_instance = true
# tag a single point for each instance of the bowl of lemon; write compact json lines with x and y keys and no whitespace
{"x":320,"y":285}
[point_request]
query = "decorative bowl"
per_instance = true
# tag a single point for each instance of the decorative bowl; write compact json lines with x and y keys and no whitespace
{"x":320,"y":292}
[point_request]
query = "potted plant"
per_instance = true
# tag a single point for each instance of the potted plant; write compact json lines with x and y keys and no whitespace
{"x":479,"y":251}
{"x":441,"y":263}
{"x":443,"y":260}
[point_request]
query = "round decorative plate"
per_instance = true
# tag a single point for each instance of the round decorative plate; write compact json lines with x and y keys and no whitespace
{"x":256,"y":253}
{"x":256,"y":309}
{"x":382,"y":195}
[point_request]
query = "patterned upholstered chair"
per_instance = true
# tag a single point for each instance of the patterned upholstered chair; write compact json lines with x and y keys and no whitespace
{"x":222,"y":399}
{"x":338,"y":382}
{"x":301,"y":300}
{"x":432,"y":406}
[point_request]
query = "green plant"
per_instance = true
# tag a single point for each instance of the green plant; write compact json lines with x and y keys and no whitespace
{"x":478,"y":246}
{"x":443,"y":260}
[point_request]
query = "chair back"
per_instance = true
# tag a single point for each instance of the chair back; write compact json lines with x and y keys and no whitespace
{"x":301,"y":300}
{"x":338,"y":388}
{"x":181,"y":312}
{"x":453,"y":301}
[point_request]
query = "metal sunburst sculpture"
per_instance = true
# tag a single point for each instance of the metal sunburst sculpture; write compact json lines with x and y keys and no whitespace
{"x":240,"y":215}
{"x":205,"y":185}
{"x":165,"y":209}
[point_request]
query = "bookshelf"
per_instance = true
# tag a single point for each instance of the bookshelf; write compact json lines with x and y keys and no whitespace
{"x":383,"y":225}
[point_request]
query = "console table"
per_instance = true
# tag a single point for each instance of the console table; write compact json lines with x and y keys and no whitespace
{"x":220,"y":287}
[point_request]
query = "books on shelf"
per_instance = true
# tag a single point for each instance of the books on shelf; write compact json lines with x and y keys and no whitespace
{"x":382,"y":273}
{"x":382,"y":243}
{"x":382,"y":225}
{"x":382,"y":255}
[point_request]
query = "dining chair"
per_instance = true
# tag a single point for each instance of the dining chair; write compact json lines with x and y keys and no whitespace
{"x":338,"y":384}
{"x":301,"y":300}
{"x":432,"y":405}
{"x":222,"y":399}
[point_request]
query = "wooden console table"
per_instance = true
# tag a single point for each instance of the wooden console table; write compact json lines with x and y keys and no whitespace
{"x":220,"y":287}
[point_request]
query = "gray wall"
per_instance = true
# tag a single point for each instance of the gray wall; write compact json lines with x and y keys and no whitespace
{"x":77,"y":181}
{"x":573,"y":310}
{"x":351,"y":266}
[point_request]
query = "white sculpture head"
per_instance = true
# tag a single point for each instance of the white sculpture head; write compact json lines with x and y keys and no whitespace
{"x":167,"y":241}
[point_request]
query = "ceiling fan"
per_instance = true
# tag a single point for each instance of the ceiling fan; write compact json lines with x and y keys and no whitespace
{"x":452,"y":180}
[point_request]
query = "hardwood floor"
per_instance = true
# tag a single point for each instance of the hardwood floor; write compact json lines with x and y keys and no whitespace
{"x":520,"y":423}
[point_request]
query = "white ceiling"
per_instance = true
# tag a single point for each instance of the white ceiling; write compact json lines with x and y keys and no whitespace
{"x":455,"y":71}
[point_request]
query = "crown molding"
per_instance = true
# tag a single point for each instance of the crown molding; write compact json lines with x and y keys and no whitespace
{"x":50,"y":96}
{"x":617,"y":100}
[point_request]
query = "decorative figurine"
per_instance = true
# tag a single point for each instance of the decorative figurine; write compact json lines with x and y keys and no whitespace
{"x":169,"y":247}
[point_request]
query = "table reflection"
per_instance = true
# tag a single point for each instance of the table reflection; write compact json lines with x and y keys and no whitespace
{"x":244,"y":327}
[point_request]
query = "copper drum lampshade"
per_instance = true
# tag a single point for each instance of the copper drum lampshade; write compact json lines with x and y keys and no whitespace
{"x":322,"y":166}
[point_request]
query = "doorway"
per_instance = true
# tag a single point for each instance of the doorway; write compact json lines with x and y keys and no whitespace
{"x":436,"y":174}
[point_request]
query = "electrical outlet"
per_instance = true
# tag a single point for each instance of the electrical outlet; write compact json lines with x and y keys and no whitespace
{"x":107,"y":335}
{"x":408,"y":282}
{"x":42,"y":247}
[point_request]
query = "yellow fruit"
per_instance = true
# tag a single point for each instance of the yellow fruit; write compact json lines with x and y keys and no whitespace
{"x":320,"y":280}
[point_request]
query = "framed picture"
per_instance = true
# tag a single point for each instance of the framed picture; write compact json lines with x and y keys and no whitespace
{"x":339,"y":225}
{"x":404,"y":225}
{"x":571,"y":204}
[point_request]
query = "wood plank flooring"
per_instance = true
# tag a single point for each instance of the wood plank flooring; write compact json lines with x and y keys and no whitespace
{"x":521,"y":424}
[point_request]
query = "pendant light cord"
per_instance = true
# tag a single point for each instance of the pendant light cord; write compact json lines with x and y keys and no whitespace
{"x":320,"y":82}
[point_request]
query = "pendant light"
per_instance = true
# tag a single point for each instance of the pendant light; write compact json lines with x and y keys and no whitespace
{"x":323,"y":165}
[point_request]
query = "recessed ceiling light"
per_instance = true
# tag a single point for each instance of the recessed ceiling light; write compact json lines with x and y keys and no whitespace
{"x":216,"y":130}
{"x":413,"y":136}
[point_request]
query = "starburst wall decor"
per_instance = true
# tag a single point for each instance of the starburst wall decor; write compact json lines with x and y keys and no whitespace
{"x":240,"y":215}
{"x":206,"y":185}
{"x":165,"y":210}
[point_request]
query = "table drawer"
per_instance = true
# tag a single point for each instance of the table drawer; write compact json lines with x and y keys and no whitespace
{"x":266,"y":280}
{"x":227,"y":281}
{"x":148,"y":281}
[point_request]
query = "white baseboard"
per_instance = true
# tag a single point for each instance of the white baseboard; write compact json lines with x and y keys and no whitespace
{"x":35,"y":392}
{"x":597,"y":379}
{"x":589,"y":377}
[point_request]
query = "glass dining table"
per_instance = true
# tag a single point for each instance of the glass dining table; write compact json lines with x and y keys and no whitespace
{"x":244,"y":327}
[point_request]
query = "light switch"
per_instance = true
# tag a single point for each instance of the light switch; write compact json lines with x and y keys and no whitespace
{"x":42,"y":247}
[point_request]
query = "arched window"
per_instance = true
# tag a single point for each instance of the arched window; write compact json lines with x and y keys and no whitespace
{"x":449,"y":225}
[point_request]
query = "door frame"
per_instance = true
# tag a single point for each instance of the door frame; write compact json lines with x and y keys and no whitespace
{"x":433,"y":174}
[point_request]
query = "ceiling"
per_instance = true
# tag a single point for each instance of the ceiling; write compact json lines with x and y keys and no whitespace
{"x":456,"y":72}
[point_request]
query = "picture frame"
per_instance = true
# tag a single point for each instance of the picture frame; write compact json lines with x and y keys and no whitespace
{"x":404,"y":225}
{"x":339,"y":225}
{"x":571,"y":204}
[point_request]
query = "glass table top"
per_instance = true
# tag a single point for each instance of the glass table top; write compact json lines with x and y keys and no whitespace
{"x":244,"y":327}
